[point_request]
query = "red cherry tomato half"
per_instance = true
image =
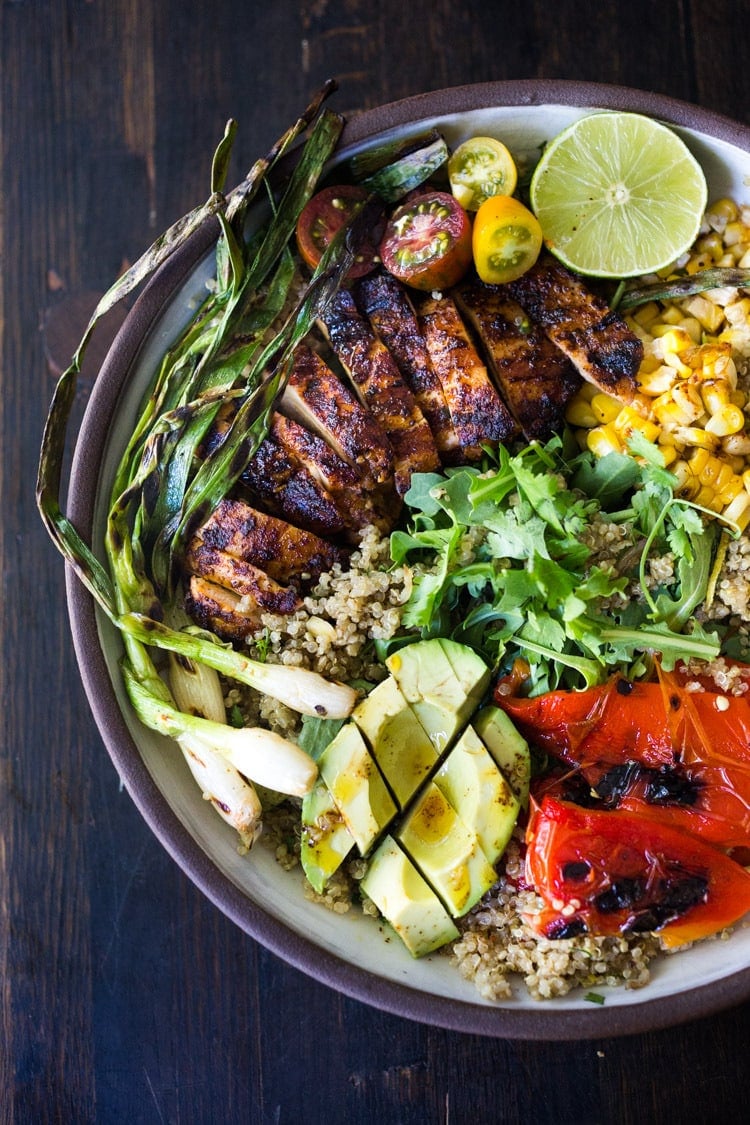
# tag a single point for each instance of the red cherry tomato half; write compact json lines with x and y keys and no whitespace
{"x":616,"y":872}
{"x":427,"y":242}
{"x":323,"y":217}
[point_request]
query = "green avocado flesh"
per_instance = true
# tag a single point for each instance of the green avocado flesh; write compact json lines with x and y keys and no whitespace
{"x":444,"y":682}
{"x":427,"y":786}
{"x":404,"y":898}
{"x":396,"y":738}
{"x":326,"y":841}
{"x":508,"y":747}
{"x":480,"y":794}
{"x":357,"y":786}
{"x":446,"y":850}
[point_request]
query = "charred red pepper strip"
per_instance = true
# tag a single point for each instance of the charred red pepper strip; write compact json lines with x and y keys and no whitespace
{"x":615,"y":872}
{"x":679,"y":757}
{"x":611,"y":723}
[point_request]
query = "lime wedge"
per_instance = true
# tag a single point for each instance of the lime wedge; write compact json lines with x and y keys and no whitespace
{"x":618,"y":194}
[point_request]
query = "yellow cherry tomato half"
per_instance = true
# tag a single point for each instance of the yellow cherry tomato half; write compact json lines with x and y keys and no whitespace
{"x":479,"y":168}
{"x":506,"y":239}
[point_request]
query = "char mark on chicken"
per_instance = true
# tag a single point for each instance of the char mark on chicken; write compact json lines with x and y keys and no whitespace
{"x":382,"y":388}
{"x":387,"y":306}
{"x":594,"y":337}
{"x":534,"y":377}
{"x":357,"y":505}
{"x":316,"y":398}
{"x":477,"y":412}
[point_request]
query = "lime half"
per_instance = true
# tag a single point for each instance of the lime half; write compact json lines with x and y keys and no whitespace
{"x":618,"y":194}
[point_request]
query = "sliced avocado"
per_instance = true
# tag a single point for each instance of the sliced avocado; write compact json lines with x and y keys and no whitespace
{"x":446,"y":851}
{"x":479,"y":793}
{"x":403,"y":897}
{"x":508,"y":747}
{"x":326,"y":841}
{"x":397,"y":739}
{"x":357,"y":786}
{"x":443,"y":681}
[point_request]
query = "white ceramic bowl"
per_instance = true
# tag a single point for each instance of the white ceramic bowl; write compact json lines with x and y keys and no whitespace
{"x":349,"y":952}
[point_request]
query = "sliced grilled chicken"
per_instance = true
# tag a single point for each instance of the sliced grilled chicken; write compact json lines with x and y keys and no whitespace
{"x":373,"y":371}
{"x":476,"y":410}
{"x":232,"y":615}
{"x":533,"y":376}
{"x":282,"y":551}
{"x":286,"y":488}
{"x":593,"y":337}
{"x":316,"y":398}
{"x":356,"y":505}
{"x":387,"y":306}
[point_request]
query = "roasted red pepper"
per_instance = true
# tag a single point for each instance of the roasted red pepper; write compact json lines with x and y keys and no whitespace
{"x":681,"y":757}
{"x":616,"y":872}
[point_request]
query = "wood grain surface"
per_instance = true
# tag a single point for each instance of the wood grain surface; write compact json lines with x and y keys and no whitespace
{"x":125,"y":996}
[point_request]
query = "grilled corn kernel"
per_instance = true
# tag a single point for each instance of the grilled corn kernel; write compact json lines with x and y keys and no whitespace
{"x":695,"y":437}
{"x":579,"y":413}
{"x":736,"y":445}
{"x":699,"y":460}
{"x":707,"y":498}
{"x":706,"y":312}
{"x":605,"y":408}
{"x":629,"y":420}
{"x":720,"y":213}
{"x":727,"y":420}
{"x":738,"y":512}
{"x":687,"y":481}
{"x":669,"y":455}
{"x":715,"y":394}
{"x":658,"y":381}
{"x":603,"y":440}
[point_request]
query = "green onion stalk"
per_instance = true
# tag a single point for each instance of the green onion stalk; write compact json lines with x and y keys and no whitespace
{"x":161,"y":490}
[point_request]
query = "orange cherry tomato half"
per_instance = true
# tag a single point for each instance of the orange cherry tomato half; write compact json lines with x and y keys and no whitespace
{"x":322,"y":218}
{"x":427,"y":241}
{"x":506,"y":241}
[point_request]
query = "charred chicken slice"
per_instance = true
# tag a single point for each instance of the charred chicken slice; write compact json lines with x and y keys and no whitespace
{"x":533,"y":376}
{"x":282,"y":551}
{"x":593,"y":337}
{"x":390,"y":312}
{"x":285,"y":487}
{"x":316,"y":398}
{"x":242,"y":563}
{"x":476,"y":410}
{"x":373,"y":371}
{"x":341,"y":481}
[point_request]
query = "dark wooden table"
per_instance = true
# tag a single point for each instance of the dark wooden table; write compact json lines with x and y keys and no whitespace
{"x":125,"y":996}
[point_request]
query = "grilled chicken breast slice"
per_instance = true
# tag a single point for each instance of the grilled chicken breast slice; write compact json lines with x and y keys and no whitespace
{"x":594,"y":338}
{"x":283,"y":551}
{"x":476,"y":410}
{"x":356,"y":504}
{"x":232,"y":615}
{"x":284,"y":486}
{"x":373,"y":371}
{"x":386,"y":304}
{"x":316,"y":398}
{"x":535,"y":379}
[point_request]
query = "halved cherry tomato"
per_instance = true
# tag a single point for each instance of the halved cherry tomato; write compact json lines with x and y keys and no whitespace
{"x":507,"y":239}
{"x":427,"y":242}
{"x":479,"y":168}
{"x":322,"y":218}
{"x":676,"y":756}
{"x":616,"y":872}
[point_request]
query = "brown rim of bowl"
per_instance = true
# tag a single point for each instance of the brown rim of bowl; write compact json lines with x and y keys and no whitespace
{"x":544,"y":1022}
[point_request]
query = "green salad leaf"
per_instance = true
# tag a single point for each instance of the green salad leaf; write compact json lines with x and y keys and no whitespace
{"x":503,"y":559}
